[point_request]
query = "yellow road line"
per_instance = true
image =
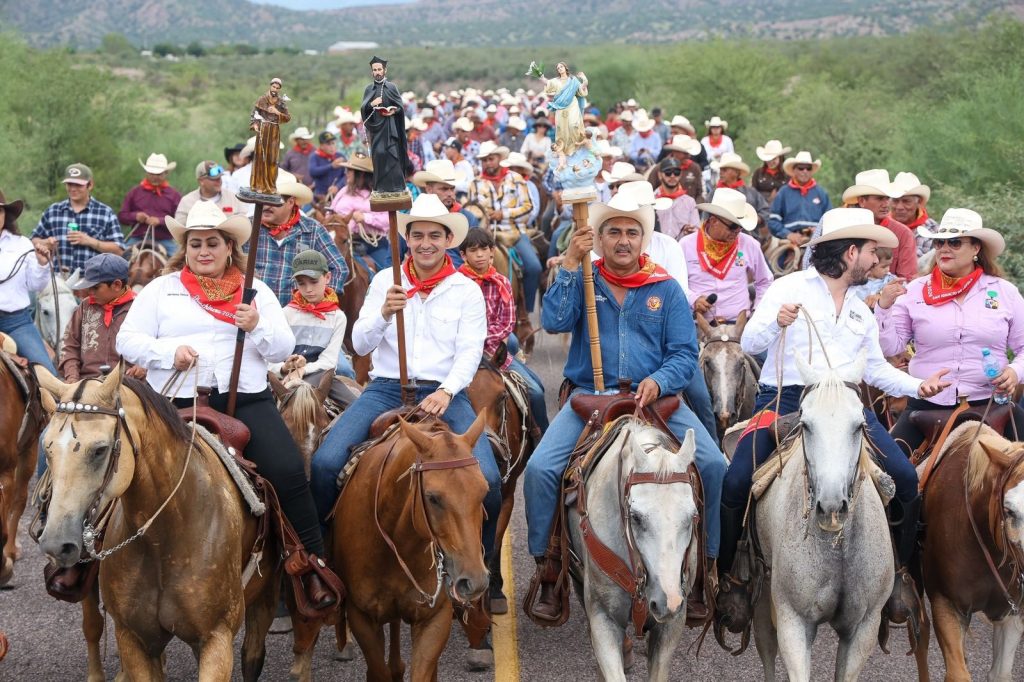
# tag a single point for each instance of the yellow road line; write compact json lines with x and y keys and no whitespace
{"x":506,"y":639}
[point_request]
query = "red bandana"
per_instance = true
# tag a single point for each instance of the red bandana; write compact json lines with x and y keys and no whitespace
{"x":771,"y":171}
{"x":685,"y":165}
{"x":329,"y":303}
{"x":678,"y":192}
{"x":324,"y":155}
{"x":921,"y":219}
{"x":941,"y":289}
{"x":283,"y":228}
{"x":456,"y":207}
{"x":427,"y":285}
{"x":155,"y":189}
{"x":304,"y":152}
{"x":804,"y":189}
{"x":108,"y":308}
{"x":646,"y":134}
{"x":495,"y":179}
{"x":217,"y":297}
{"x":490,"y":276}
{"x":347,"y":139}
{"x":649,"y":273}
{"x":733,"y":185}
{"x":719,"y":267}
{"x":715,"y":142}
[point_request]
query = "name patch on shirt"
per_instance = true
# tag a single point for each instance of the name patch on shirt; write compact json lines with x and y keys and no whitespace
{"x":654,"y":303}
{"x":855,"y":316}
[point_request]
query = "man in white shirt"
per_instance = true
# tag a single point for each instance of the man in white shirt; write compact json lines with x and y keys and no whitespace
{"x":445,"y":329}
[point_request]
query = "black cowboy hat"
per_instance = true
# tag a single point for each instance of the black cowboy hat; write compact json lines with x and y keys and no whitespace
{"x":228,"y":151}
{"x":12,"y":209}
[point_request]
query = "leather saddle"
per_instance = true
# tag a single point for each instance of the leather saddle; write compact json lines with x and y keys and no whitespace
{"x":388,"y":419}
{"x":931,"y":422}
{"x":232,"y":432}
{"x":608,"y":408}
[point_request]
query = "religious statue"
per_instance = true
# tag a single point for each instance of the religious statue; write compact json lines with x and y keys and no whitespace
{"x":384,"y":119}
{"x":269,"y":112}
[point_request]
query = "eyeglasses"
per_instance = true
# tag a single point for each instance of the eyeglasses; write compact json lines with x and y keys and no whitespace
{"x":672,"y":171}
{"x":954,"y":244}
{"x":803,"y":167}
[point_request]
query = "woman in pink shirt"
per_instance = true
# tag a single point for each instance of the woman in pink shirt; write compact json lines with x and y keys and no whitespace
{"x":369,"y":229}
{"x":951,"y":314}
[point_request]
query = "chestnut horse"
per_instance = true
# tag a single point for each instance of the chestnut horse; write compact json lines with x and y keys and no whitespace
{"x":360,"y":273}
{"x":179,"y":535}
{"x":145,"y":263}
{"x":524,"y":328}
{"x":973,"y":550}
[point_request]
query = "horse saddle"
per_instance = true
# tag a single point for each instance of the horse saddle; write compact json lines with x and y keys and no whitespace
{"x":388,"y":419}
{"x":931,"y":422}
{"x":232,"y":432}
{"x":608,"y":408}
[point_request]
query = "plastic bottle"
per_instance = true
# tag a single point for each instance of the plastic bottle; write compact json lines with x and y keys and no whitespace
{"x":72,"y":226}
{"x":992,"y":369}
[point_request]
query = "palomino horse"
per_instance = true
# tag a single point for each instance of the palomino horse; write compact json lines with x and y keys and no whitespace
{"x":354,"y":293}
{"x":51,"y":305}
{"x":822,"y":529}
{"x":145,"y":263}
{"x":303,"y":411}
{"x":639,"y":504}
{"x":974,"y":547}
{"x":730,"y":373}
{"x":179,"y":533}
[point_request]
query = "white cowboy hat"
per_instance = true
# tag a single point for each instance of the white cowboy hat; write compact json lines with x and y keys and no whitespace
{"x":626,"y":116}
{"x":345,"y":116}
{"x":517,"y":160}
{"x":910,"y":185}
{"x":517,"y":123}
{"x":631,"y":103}
{"x":731,"y":160}
{"x":684,"y":143}
{"x":874,"y":182}
{"x":157,"y":164}
{"x":301,"y":133}
{"x":491,"y":109}
{"x":415,"y":124}
{"x":620,"y":172}
{"x":853,"y":223}
{"x":682,"y":122}
{"x":801,"y":157}
{"x":428,"y":208}
{"x":643,"y":193}
{"x":439,"y":170}
{"x":603,"y":148}
{"x":731,"y":205}
{"x":963,"y":222}
{"x":772,"y":149}
{"x":643,"y":123}
{"x":464,"y":124}
{"x":207,"y":215}
{"x":623,"y":206}
{"x":490,"y":147}
{"x":250,"y":146}
{"x":426,"y":112}
{"x":289,"y":186}
{"x":715,"y":121}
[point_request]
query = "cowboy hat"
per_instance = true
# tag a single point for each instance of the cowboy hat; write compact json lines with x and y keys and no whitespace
{"x":874,"y":182}
{"x":643,"y":123}
{"x":685,"y":144}
{"x":910,"y":185}
{"x":428,"y":208}
{"x":963,"y":222}
{"x":289,"y":186}
{"x":731,"y":205}
{"x":716,"y":122}
{"x":603,"y":148}
{"x":439,"y":170}
{"x":631,"y":103}
{"x":13,"y":209}
{"x":359,"y":162}
{"x":772,"y":150}
{"x":853,"y":223}
{"x":231,"y":151}
{"x":250,"y":146}
{"x":682,"y":122}
{"x":623,"y":206}
{"x":517,"y":160}
{"x":301,"y":133}
{"x":731,"y":160}
{"x":415,"y":124}
{"x":801,"y":157}
{"x":345,"y":116}
{"x":426,"y":112}
{"x":490,"y":147}
{"x":643,"y":192}
{"x":626,"y":116}
{"x":517,"y":123}
{"x":620,"y":172}
{"x":206,"y":215}
{"x":157,"y":164}
{"x":464,"y":124}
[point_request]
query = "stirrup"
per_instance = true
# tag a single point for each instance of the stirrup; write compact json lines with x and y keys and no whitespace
{"x":903,"y":606}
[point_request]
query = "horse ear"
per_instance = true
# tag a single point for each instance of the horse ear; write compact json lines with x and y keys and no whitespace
{"x":418,"y":438}
{"x":324,"y":387}
{"x":111,"y":383}
{"x":741,"y":322}
{"x":995,"y":455}
{"x":472,"y":434}
{"x":703,"y":328}
{"x":51,"y":388}
{"x":276,"y":386}
{"x":689,"y":447}
{"x":807,"y":372}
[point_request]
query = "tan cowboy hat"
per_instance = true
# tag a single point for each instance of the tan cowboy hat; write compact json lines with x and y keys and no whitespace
{"x":301,"y":133}
{"x":620,"y":172}
{"x":344,"y":116}
{"x":963,"y":222}
{"x":716,"y":122}
{"x":731,"y":205}
{"x":517,"y":160}
{"x":801,"y":157}
{"x":489,"y":147}
{"x":517,"y":123}
{"x":910,"y":185}
{"x":772,"y":149}
{"x":289,"y":186}
{"x":624,"y":206}
{"x":13,"y":209}
{"x":682,"y":122}
{"x":207,"y":215}
{"x":157,"y":164}
{"x":874,"y":182}
{"x":684,"y":143}
{"x":643,"y":193}
{"x":428,"y":208}
{"x":464,"y":124}
{"x":359,"y":162}
{"x":439,"y":170}
{"x":853,"y":223}
{"x":731,"y":160}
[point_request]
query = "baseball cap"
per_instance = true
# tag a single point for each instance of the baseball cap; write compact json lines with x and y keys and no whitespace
{"x":78,"y":174}
{"x":105,"y":267}
{"x":669,"y":163}
{"x":209,"y":169}
{"x":309,"y":263}
{"x":327,"y":136}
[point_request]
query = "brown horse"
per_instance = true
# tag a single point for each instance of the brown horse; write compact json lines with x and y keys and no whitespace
{"x":360,"y":273}
{"x":181,"y":556}
{"x":524,"y":328}
{"x":974,"y":547}
{"x":145,"y":263}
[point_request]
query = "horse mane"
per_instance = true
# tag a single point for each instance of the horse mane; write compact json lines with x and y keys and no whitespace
{"x":830,"y":388}
{"x":157,"y":406}
{"x":663,"y":459}
{"x":980,"y":460}
{"x":304,"y":403}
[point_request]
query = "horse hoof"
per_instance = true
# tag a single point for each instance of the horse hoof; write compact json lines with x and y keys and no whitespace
{"x":282,"y":625}
{"x":347,"y":653}
{"x":480,"y":659}
{"x":628,"y":660}
{"x":499,"y":605}
{"x":6,"y":570}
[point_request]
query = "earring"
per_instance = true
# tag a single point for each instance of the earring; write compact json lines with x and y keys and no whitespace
{"x":975,"y":259}
{"x":230,"y":260}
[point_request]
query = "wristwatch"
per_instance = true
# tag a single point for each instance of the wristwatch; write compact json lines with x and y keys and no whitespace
{"x":447,"y":392}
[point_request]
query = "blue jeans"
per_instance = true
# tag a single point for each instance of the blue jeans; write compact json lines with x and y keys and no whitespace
{"x":531,"y":270}
{"x":547,"y":465}
{"x":344,"y":367}
{"x":888,"y":455}
{"x":19,"y":326}
{"x":353,"y":427}
{"x":699,"y":398}
{"x":381,"y":253}
{"x":170,"y":246}
{"x":536,"y":390}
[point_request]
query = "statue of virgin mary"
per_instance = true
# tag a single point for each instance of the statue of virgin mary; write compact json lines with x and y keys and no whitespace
{"x":566,"y":96}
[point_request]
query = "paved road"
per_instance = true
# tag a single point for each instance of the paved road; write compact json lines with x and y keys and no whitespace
{"x":46,"y":641}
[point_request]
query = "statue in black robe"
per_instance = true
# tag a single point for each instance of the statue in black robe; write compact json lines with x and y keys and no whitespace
{"x":384,"y":119}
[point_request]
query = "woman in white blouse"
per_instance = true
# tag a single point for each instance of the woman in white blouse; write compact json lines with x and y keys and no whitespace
{"x":191,"y":315}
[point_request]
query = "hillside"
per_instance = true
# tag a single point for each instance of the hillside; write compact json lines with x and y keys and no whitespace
{"x":481,"y":22}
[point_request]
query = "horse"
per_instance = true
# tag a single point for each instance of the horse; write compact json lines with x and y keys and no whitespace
{"x":145,"y":263}
{"x":973,"y":550}
{"x":303,"y":411}
{"x":360,"y":272}
{"x":824,"y":536}
{"x":640,"y":505}
{"x":178,"y":531}
{"x":731,"y":374}
{"x":524,"y":328}
{"x":53,"y":304}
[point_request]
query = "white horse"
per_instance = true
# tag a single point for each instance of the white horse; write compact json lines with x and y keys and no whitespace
{"x":48,"y":303}
{"x":642,"y":470}
{"x":823,"y":532}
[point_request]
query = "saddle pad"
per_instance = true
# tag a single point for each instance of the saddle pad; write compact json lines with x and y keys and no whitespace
{"x":587,"y":455}
{"x":252,"y":498}
{"x":516,"y":387}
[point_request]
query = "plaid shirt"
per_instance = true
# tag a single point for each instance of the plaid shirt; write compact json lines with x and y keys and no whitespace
{"x":511,"y":197}
{"x":274,"y":259}
{"x":96,"y":220}
{"x":501,"y":315}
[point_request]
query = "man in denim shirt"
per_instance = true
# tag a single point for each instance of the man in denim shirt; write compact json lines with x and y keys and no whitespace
{"x":647,"y":337}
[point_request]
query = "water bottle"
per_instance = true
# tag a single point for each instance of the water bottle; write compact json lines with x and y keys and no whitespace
{"x":72,"y":226}
{"x":992,"y":369}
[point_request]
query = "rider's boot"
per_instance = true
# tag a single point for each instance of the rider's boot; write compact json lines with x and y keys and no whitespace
{"x":548,"y":606}
{"x":318,"y":594}
{"x":904,"y":603}
{"x":733,"y":608}
{"x":696,"y":606}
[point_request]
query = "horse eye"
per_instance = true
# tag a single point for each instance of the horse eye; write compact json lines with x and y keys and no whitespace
{"x":637,"y":519}
{"x":435,"y":500}
{"x":97,"y":451}
{"x":1011,"y":514}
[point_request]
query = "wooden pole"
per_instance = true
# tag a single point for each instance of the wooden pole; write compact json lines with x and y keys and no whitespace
{"x":248,"y":293}
{"x":408,"y":392}
{"x":580,"y":216}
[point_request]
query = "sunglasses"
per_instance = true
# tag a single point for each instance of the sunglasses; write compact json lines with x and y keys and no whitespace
{"x":954,"y":244}
{"x":672,"y":171}
{"x":214,"y":172}
{"x":803,"y":167}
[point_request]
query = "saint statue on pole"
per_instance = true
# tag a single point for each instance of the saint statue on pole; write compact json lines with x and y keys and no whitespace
{"x":269,"y":112}
{"x":384,"y":119}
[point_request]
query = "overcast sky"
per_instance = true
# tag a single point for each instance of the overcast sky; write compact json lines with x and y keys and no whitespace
{"x":325,"y":4}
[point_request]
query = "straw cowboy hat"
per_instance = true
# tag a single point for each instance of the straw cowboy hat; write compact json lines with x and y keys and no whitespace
{"x":345,"y":116}
{"x":464,"y":124}
{"x":12,"y":209}
{"x":439,"y":170}
{"x":206,"y":215}
{"x":643,"y":122}
{"x":874,"y":182}
{"x":717,"y":122}
{"x":772,"y":149}
{"x":910,"y":185}
{"x":800,"y":158}
{"x":517,"y":160}
{"x":621,"y":172}
{"x":301,"y":133}
{"x":853,"y":223}
{"x":963,"y":222}
{"x":732,"y":160}
{"x":289,"y":186}
{"x":631,"y":103}
{"x":490,"y":147}
{"x":684,"y":143}
{"x":623,"y":206}
{"x":682,"y":122}
{"x":415,"y":124}
{"x":731,"y":205}
{"x":157,"y":164}
{"x":428,"y":208}
{"x":603,"y":148}
{"x":517,"y":123}
{"x":643,"y":192}
{"x":626,"y":116}
{"x":359,"y":162}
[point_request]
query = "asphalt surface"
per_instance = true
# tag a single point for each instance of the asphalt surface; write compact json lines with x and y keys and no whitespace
{"x":46,"y":641}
